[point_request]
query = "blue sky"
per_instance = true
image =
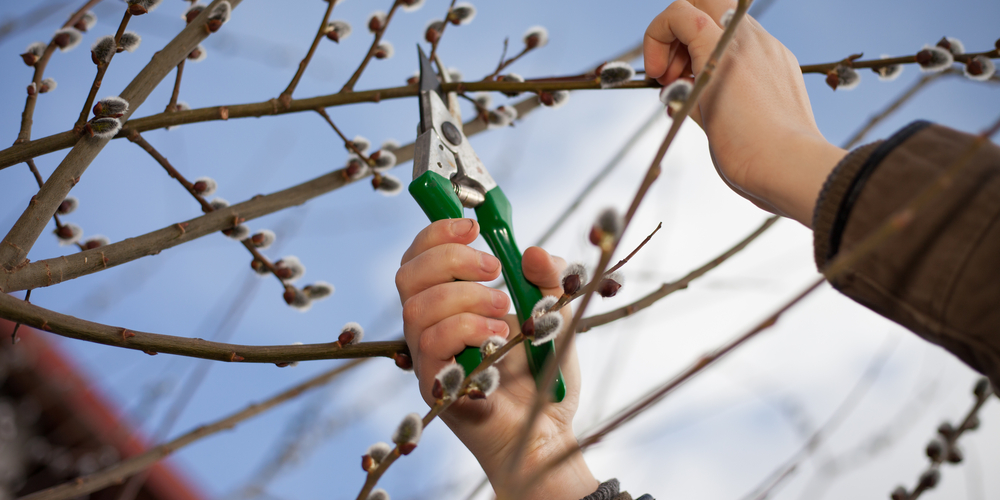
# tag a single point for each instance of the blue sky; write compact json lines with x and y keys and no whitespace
{"x":714,"y":439}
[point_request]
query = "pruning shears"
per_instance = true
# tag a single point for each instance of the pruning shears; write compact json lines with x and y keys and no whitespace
{"x":448,"y":177}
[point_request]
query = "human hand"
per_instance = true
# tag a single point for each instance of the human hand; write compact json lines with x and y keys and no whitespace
{"x":756,"y":112}
{"x":445,"y":311}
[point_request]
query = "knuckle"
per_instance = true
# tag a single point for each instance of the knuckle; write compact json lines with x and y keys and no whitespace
{"x":426,"y":342}
{"x":411,"y":311}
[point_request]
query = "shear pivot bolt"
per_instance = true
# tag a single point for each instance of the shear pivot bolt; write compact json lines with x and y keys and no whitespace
{"x":451,"y":133}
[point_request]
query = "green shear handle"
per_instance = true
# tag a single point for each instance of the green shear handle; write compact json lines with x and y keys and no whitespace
{"x":436,"y":196}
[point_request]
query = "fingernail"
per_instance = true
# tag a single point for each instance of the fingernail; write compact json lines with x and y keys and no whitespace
{"x":500,"y":300}
{"x":488,"y":262}
{"x":496,"y":326}
{"x":461,"y":227}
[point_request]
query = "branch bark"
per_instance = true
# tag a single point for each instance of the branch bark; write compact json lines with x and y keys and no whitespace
{"x":153,"y":343}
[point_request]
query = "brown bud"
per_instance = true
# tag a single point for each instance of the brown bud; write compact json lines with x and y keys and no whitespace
{"x":29,"y":58}
{"x":257,"y":239}
{"x":974,"y":66}
{"x":333,"y":35}
{"x":65,"y":232}
{"x":412,"y":80}
{"x":954,"y":454}
{"x":934,"y":450}
{"x":438,"y":390}
{"x":213,"y":25}
{"x":571,"y":284}
{"x":193,"y":13}
{"x":376,"y":181}
{"x":282,"y":364}
{"x":32,"y":88}
{"x":289,"y":295}
{"x":200,"y":186}
{"x":476,"y":394}
{"x":899,"y":493}
{"x":283,"y":273}
{"x":924,"y":57}
{"x":136,"y":9}
{"x":195,"y":54}
{"x":531,"y":41}
{"x":407,"y":448}
{"x":596,"y":235}
{"x":375,"y":24}
{"x":403,"y":360}
{"x":62,"y":39}
{"x":944,"y":43}
{"x":81,"y":25}
{"x":528,"y":327}
{"x":546,"y":98}
{"x":345,"y":337}
{"x":608,"y":288}
{"x":380,"y":53}
{"x":929,"y":479}
{"x":257,"y":265}
{"x":91,"y":244}
{"x":367,"y":462}
{"x":833,"y":79}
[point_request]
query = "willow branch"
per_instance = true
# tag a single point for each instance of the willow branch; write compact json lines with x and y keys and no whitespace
{"x":349,"y":86}
{"x":562,"y":342}
{"x":657,"y":395}
{"x":438,"y":408}
{"x":52,"y":271}
{"x":119,"y":472}
{"x":152,"y":343}
{"x":18,"y":242}
{"x":286,"y":97}
{"x":102,"y":68}
{"x":668,"y":288}
{"x":21,"y":152}
{"x":825,"y":68}
{"x":28,"y":114}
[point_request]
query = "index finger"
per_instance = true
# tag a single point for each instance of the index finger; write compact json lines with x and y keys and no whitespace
{"x":462,"y":231}
{"x":686,"y":23}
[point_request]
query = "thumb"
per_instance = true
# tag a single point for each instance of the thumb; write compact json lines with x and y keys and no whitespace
{"x":544,"y":270}
{"x":683,"y":22}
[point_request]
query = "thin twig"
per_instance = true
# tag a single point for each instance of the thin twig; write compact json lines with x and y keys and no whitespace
{"x":102,"y":68}
{"x":349,"y":86}
{"x":612,"y":164}
{"x":843,"y":410}
{"x":17,"y":326}
{"x":824,"y":68}
{"x":444,"y":25}
{"x":286,"y":97}
{"x":122,"y":470}
{"x":55,"y":216}
{"x":68,"y":326}
{"x":28,"y":114}
{"x":439,"y":407}
{"x":949,"y":440}
{"x":504,"y":63}
{"x":172,"y":105}
{"x":205,"y":205}
{"x":668,"y":288}
{"x":349,"y":144}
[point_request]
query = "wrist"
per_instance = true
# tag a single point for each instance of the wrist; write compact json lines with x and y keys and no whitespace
{"x":570,"y":480}
{"x":800,"y":168}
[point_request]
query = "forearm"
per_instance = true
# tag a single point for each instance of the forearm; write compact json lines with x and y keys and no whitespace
{"x":570,"y":480}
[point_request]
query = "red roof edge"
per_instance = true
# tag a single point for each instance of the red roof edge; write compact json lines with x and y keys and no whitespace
{"x":95,"y":411}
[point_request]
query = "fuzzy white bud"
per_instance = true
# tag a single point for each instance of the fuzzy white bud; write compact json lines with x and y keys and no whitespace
{"x":384,"y":160}
{"x":129,"y":41}
{"x":411,"y":5}
{"x":448,"y":381}
{"x":389,"y":185}
{"x":379,"y":452}
{"x":462,"y":13}
{"x":263,"y":239}
{"x":676,"y":94}
{"x":979,"y":68}
{"x":483,"y":99}
{"x":338,"y":31}
{"x":87,"y":21}
{"x":359,"y":143}
{"x":934,"y":59}
{"x":68,"y":205}
{"x":376,"y":21}
{"x":482,"y":384}
{"x":616,"y":73}
{"x":407,"y":434}
{"x":535,"y":37}
{"x":219,"y":203}
{"x":103,"y":49}
{"x":289,"y":268}
{"x":69,"y":234}
{"x":238,"y":233}
{"x":351,"y":333}
{"x":492,"y":345}
{"x":554,"y":99}
{"x":198,"y":54}
{"x":48,"y":85}
{"x":113,"y":106}
{"x":384,"y":50}
{"x":297,"y":299}
{"x":953,"y":45}
{"x":318,"y":290}
{"x":104,"y":128}
{"x":205,"y":186}
{"x":378,"y":494}
{"x":888,"y":73}
{"x":67,"y":38}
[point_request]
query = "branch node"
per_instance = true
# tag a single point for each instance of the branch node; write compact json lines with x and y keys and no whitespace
{"x":182,"y":226}
{"x":224,"y":112}
{"x":235,"y":357}
{"x":126,"y":334}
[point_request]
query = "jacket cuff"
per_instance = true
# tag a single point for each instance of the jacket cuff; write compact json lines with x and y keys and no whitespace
{"x":842,"y":188}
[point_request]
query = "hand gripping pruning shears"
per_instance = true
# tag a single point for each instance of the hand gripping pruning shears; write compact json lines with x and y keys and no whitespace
{"x":447,"y":177}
